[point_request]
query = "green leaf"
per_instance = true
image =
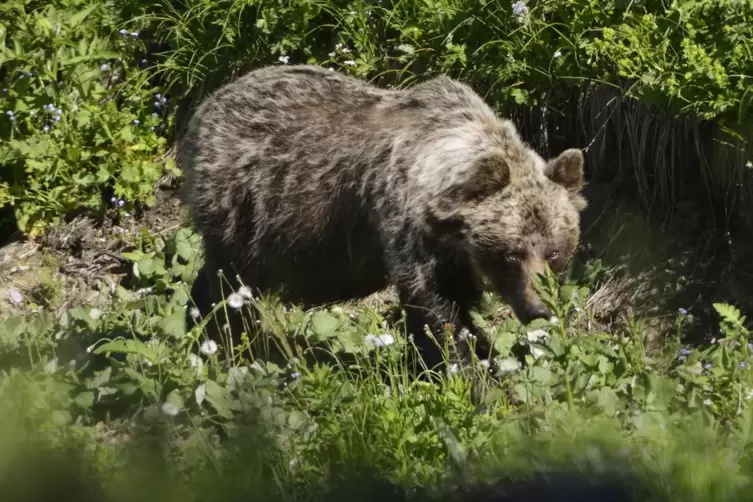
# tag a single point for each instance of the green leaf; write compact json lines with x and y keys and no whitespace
{"x":217,"y":397}
{"x":174,"y":324}
{"x":84,"y":400}
{"x":127,"y":134}
{"x":727,"y":312}
{"x":504,"y":342}
{"x":324,"y":324}
{"x":79,"y":16}
{"x":606,"y":399}
{"x":121,"y":346}
{"x":296,"y":420}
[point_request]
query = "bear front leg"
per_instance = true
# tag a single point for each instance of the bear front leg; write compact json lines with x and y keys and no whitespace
{"x":428,"y":309}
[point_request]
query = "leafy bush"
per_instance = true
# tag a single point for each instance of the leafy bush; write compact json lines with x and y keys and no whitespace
{"x":692,"y":56}
{"x":82,"y":129}
{"x":84,"y":147}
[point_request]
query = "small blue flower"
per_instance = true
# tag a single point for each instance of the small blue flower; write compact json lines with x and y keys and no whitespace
{"x":163,"y":100}
{"x":157,"y":96}
{"x":685,"y":351}
{"x":682,"y":311}
{"x":750,"y":346}
{"x":46,"y":128}
{"x":123,"y":32}
{"x":11,"y":115}
{"x":56,"y":118}
{"x":135,"y":34}
{"x":143,"y":62}
{"x":707,"y":366}
{"x":136,"y":122}
{"x":113,"y":199}
{"x":151,"y":128}
{"x":104,"y":67}
{"x":121,"y":203}
{"x":681,"y":359}
{"x":742,"y":364}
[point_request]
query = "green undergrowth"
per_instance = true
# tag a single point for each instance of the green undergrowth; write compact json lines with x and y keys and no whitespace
{"x":121,"y":384}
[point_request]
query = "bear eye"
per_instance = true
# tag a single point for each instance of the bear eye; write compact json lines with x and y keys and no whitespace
{"x":515,"y":256}
{"x":553,"y":256}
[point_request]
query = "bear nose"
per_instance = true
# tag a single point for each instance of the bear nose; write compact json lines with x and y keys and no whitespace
{"x":533,"y":312}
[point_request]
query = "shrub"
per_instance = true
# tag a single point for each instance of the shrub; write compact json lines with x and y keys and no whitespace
{"x":81,"y":126}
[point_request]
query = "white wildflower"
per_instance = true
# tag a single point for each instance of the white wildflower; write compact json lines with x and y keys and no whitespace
{"x":15,"y":297}
{"x":520,"y":9}
{"x":195,"y":314}
{"x":380,"y":340}
{"x":350,"y":62}
{"x":707,"y":402}
{"x":236,"y":300}
{"x":484,"y":364}
{"x":170,"y":409}
{"x":454,"y":368}
{"x":245,"y":292}
{"x":749,"y":164}
{"x":556,"y":55}
{"x":554,"y":320}
{"x":95,"y":313}
{"x":284,"y":59}
{"x":208,"y":348}
{"x":295,"y":375}
{"x":508,"y":365}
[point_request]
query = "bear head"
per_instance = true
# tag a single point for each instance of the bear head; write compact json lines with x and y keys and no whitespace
{"x":512,"y":214}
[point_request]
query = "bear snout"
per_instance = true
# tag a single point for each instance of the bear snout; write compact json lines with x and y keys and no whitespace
{"x":531,"y":312}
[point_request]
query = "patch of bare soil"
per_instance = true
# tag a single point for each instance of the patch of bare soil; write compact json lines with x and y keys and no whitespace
{"x":79,"y":263}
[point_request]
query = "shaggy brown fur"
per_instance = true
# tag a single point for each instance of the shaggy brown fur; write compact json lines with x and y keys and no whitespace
{"x":324,"y":188}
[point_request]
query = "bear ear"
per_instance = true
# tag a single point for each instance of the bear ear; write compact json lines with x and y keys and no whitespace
{"x":567,"y":169}
{"x":488,"y":173}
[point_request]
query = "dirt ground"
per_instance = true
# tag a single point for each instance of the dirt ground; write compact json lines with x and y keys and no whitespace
{"x":79,"y":263}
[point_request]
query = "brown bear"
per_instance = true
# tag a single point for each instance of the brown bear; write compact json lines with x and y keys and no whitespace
{"x":323,"y":188}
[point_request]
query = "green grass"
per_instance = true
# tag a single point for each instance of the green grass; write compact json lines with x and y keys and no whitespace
{"x":146,"y":413}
